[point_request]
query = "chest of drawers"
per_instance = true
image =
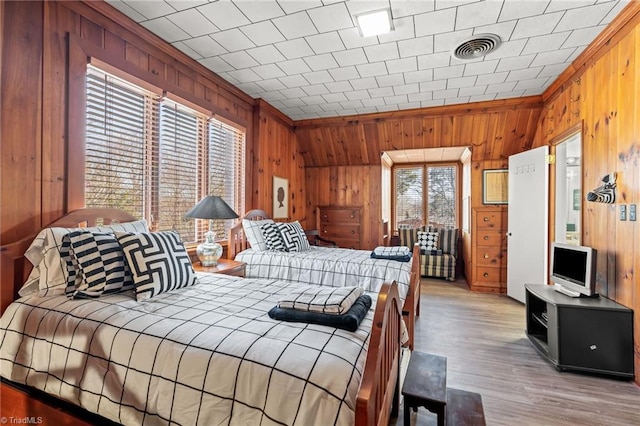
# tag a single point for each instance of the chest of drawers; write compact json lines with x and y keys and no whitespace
{"x":341,"y":224}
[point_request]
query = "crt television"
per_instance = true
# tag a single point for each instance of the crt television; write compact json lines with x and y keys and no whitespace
{"x":573,"y":269}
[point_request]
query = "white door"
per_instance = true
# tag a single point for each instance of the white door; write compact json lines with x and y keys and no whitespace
{"x":528,"y":221}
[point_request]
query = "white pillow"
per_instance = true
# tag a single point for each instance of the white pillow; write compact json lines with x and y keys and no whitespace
{"x":49,"y":274}
{"x":254,"y":234}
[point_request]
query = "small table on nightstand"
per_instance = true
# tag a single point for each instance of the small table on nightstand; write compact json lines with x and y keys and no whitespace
{"x":225,"y":266}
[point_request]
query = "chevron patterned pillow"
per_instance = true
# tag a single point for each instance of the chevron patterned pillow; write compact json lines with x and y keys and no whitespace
{"x":95,"y":264}
{"x":293,"y":236}
{"x":272,"y":237}
{"x":158,"y":262}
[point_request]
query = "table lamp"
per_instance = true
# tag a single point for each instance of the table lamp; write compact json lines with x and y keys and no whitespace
{"x":210,"y":207}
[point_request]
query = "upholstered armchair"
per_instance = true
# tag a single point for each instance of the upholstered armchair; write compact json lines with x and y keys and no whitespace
{"x":435,"y":261}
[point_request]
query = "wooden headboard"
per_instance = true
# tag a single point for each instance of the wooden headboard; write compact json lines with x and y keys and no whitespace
{"x":237,"y":238}
{"x":15,"y":268}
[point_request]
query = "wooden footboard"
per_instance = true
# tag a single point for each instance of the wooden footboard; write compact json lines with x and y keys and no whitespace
{"x":379,"y":390}
{"x":411,"y":307}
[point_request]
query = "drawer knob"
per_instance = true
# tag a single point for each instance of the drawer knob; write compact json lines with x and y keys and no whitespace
{"x":486,"y":219}
{"x":486,"y":237}
{"x":352,"y":216}
{"x":486,"y":256}
{"x":353,"y":232}
{"x":324,"y":231}
{"x":486,"y":274}
{"x":324,"y":215}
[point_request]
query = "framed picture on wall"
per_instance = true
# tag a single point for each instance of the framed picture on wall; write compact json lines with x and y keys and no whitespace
{"x":280,"y":198}
{"x":495,"y":188}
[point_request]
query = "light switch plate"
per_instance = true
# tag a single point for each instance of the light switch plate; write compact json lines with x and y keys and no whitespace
{"x":623,"y":212}
{"x":632,"y":212}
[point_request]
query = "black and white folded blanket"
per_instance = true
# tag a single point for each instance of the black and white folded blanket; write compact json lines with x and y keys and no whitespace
{"x":324,"y":300}
{"x":349,"y":321}
{"x":399,"y":253}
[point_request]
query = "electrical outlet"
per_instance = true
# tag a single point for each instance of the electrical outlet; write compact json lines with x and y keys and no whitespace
{"x":632,"y":212}
{"x":623,"y":212}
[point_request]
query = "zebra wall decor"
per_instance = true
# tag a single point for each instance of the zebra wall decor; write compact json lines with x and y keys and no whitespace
{"x":606,"y":193}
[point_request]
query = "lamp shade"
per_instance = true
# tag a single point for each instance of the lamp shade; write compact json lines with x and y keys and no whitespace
{"x":211,"y":207}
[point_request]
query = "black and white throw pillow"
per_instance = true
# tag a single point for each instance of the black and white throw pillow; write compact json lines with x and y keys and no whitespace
{"x":428,"y":241}
{"x":95,"y":264}
{"x":293,"y":236}
{"x":272,"y":237}
{"x":158,"y":262}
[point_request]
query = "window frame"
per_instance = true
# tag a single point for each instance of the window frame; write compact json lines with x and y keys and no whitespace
{"x":83,"y":53}
{"x":425,"y":182}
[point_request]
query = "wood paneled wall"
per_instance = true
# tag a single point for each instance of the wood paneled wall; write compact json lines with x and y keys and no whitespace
{"x":604,"y":93}
{"x":277,"y":154}
{"x":348,"y":186}
{"x":38,"y":72}
{"x":494,"y":129}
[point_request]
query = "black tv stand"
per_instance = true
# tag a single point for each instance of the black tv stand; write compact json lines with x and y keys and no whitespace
{"x":587,"y":334}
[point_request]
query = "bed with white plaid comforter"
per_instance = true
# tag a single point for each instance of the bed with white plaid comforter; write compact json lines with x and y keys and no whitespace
{"x":334,"y":267}
{"x":207,"y":355}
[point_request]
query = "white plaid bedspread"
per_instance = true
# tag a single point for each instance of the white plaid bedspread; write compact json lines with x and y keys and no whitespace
{"x":207,"y":355}
{"x":328,"y":266}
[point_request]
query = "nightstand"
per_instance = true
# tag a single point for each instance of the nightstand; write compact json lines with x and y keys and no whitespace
{"x":225,"y":266}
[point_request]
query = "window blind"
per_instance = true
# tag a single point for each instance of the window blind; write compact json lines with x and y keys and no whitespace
{"x":118,"y":117}
{"x":409,"y":197}
{"x":442,"y":195}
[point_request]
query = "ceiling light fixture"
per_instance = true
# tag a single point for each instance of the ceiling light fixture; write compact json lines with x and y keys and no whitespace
{"x":374,"y":23}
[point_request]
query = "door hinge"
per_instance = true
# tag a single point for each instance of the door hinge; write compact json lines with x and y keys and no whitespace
{"x":550,"y":159}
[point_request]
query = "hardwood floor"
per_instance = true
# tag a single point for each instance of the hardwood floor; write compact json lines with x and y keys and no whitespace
{"x":482,"y":336}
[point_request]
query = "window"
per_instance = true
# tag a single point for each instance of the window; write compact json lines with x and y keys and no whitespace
{"x":155,"y":158}
{"x":425,"y":192}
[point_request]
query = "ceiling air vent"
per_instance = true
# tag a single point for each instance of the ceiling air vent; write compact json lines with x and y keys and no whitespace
{"x":477,"y":46}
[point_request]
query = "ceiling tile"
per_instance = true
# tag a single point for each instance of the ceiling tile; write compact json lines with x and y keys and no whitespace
{"x":402,"y":30}
{"x":261,"y":10}
{"x":270,"y":85}
{"x":458,"y":100}
{"x":351,"y":104}
{"x":525,"y":74}
{"x":357,"y":95}
{"x":205,"y":46}
{"x":536,"y":25}
{"x":360,"y":7}
{"x":267,"y":55}
{"x":273,"y":96}
{"x":373,"y":102}
{"x":448,"y":72}
{"x":457,"y":83}
{"x":331,"y":18}
{"x":416,"y":46}
{"x":165,"y":29}
{"x":348,"y":57}
{"x":443,"y":94}
{"x":383,"y":91}
{"x":482,"y":98}
{"x":478,"y":14}
{"x":185,"y":4}
{"x":405,"y":89}
{"x":472,"y":91}
{"x":532,"y":84}
{"x":510,"y":94}
{"x":402,"y":65}
{"x":435,"y":22}
{"x":331,"y":106}
{"x":614,"y":12}
{"x":294,"y":66}
{"x":316,"y":77}
{"x":233,"y":40}
{"x":552,"y":70}
{"x":339,"y":87}
{"x":522,"y":9}
{"x":418,"y":76}
{"x":502,"y":29}
{"x":584,"y":17}
{"x":517,"y":63}
{"x":493,"y":78}
{"x":316,"y":89}
{"x":239,"y":60}
{"x":401,"y":8}
{"x":372,"y":70}
{"x":382,"y":52}
{"x":321,"y":62}
{"x":270,"y":71}
{"x":434,"y":60}
{"x":550,"y":58}
{"x":364,"y":83}
{"x":245,"y":75}
{"x":583,"y":36}
{"x":334,"y":97}
{"x":313,"y":100}
{"x":351,"y":38}
{"x":430,"y":86}
{"x":390,"y":80}
{"x":294,"y":48}
{"x":292,"y":81}
{"x":396,"y":99}
{"x":263,"y":33}
{"x":345,"y":73}
{"x":216,"y":64}
{"x":127,"y":10}
{"x":387,"y":108}
{"x":150,"y":9}
{"x":562,"y":5}
{"x":223,"y":14}
{"x":545,"y":43}
{"x":296,"y":25}
{"x":448,"y":41}
{"x":295,"y":92}
{"x":484,"y":67}
{"x":193,"y":22}
{"x":186,"y":49}
{"x":325,"y":43}
{"x":296,"y":6}
{"x":249,"y":88}
{"x":500,"y":87}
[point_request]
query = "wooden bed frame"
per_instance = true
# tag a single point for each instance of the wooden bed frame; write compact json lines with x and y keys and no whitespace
{"x":377,"y":396}
{"x":411,"y":309}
